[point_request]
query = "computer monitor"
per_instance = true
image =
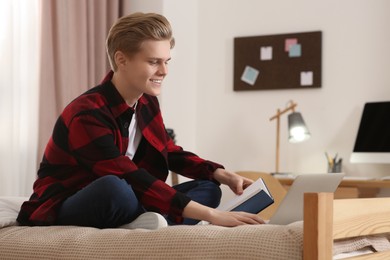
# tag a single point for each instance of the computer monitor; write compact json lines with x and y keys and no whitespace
{"x":372,"y":143}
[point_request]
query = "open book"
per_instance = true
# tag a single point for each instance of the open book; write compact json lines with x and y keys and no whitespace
{"x":254,"y":199}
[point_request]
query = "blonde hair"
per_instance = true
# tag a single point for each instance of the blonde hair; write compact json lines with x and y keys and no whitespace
{"x":130,"y":31}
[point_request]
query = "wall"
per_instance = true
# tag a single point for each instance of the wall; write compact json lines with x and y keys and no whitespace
{"x":178,"y":100}
{"x":233,"y":128}
{"x":179,"y":95}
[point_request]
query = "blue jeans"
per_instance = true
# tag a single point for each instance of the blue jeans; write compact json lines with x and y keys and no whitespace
{"x":202,"y":191}
{"x":109,"y":202}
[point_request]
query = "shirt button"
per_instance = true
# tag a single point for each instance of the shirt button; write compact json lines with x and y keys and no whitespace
{"x":126,"y":125}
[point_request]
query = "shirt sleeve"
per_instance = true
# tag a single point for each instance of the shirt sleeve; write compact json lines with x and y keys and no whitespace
{"x":189,"y":164}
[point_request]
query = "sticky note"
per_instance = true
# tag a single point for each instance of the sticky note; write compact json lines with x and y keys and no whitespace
{"x":250,"y":75}
{"x":266,"y":53}
{"x":295,"y":50}
{"x":306,"y":78}
{"x":288,"y":43}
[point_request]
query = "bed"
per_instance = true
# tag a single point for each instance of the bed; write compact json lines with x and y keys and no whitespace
{"x":346,"y":226}
{"x":329,"y":230}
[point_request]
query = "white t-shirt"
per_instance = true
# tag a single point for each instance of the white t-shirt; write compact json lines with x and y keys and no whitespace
{"x":134,"y":136}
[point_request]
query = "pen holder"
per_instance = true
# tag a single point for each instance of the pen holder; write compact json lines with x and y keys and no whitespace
{"x":335,"y":167}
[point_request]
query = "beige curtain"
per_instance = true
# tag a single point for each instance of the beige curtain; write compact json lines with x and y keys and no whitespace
{"x":73,"y":54}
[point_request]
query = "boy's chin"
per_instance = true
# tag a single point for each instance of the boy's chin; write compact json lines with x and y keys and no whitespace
{"x":154,"y":93}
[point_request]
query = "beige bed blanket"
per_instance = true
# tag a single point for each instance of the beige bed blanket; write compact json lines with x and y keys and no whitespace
{"x":175,"y":242}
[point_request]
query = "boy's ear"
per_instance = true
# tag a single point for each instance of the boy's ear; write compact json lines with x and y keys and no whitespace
{"x":120,"y":59}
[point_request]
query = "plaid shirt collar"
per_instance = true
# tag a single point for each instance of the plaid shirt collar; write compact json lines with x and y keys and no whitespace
{"x":116,"y":102}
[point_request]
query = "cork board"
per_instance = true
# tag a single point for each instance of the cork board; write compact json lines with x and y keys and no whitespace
{"x":282,"y":61}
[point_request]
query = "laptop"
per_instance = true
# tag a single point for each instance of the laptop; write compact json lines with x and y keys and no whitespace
{"x":291,"y":207}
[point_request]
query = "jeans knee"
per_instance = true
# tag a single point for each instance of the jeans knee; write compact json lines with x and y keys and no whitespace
{"x":106,"y":202}
{"x":116,"y":193}
{"x":212,"y":193}
{"x":213,"y":189}
{"x":111,"y":186}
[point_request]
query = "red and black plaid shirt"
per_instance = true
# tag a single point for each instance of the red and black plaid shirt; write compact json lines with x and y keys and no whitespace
{"x":90,"y":140}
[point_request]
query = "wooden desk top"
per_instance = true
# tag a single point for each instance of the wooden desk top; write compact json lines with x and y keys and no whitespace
{"x":358,"y":183}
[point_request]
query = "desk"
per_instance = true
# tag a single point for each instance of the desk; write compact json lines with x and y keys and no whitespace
{"x":350,"y":188}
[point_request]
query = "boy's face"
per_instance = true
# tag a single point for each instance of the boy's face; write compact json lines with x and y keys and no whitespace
{"x":145,"y":70}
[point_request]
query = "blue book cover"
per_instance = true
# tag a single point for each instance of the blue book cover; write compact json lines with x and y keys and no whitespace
{"x":254,"y":199}
{"x":256,"y":203}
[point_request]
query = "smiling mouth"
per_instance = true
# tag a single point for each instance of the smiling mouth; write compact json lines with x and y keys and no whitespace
{"x":157,"y":81}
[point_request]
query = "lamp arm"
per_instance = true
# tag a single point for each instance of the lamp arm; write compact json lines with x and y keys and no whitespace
{"x":279,"y":113}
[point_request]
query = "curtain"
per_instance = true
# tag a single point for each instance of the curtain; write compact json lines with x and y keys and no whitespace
{"x":73,"y":53}
{"x":19,"y":48}
{"x":51,"y":52}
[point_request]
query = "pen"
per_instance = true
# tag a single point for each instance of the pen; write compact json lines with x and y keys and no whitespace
{"x":335,"y":158}
{"x":330,"y":160}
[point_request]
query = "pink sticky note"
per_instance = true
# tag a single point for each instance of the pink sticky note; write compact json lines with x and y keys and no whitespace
{"x":289,"y":42}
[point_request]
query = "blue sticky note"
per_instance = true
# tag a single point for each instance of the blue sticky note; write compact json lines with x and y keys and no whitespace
{"x":295,"y":50}
{"x":250,"y":75}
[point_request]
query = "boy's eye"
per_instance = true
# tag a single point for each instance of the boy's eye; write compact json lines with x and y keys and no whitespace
{"x":157,"y":62}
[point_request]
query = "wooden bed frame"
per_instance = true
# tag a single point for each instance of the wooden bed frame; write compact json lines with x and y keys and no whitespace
{"x":326,"y":220}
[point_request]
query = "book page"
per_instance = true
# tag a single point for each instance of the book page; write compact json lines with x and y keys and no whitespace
{"x":249,"y":192}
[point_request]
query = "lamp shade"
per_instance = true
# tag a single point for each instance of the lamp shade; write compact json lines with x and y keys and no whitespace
{"x":297,"y":129}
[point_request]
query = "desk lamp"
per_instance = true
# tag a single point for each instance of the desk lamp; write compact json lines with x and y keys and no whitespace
{"x":297,"y":129}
